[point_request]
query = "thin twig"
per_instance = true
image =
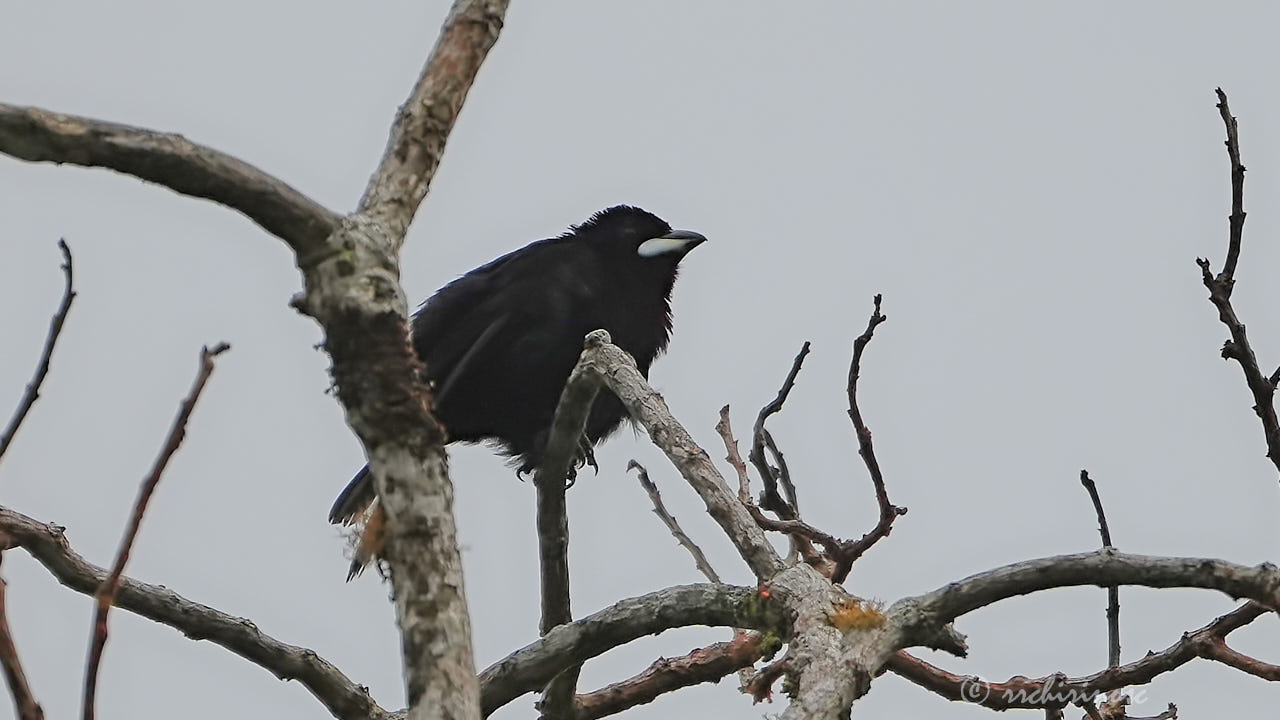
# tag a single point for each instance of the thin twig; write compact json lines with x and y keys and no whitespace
{"x":24,"y":700}
{"x":107,"y":591}
{"x":1113,"y":592}
{"x":784,"y":473}
{"x":888,"y":511}
{"x":1238,"y":348}
{"x":770,"y":499}
{"x":660,"y":509}
{"x":42,"y":369}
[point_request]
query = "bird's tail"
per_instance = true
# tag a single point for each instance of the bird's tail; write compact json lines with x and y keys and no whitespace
{"x":353,"y":499}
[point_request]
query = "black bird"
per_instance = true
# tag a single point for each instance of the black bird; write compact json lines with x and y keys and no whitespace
{"x":499,"y":342}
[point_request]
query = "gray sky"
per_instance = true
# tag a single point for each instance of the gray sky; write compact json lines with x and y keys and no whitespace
{"x":1027,"y":184}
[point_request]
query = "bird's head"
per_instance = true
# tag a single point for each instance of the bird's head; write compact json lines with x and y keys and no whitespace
{"x":640,"y":236}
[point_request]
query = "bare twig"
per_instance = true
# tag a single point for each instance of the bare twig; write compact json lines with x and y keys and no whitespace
{"x":37,"y":135}
{"x":665,"y":675}
{"x":784,"y":473}
{"x":107,"y":591}
{"x":770,"y":499}
{"x":660,"y":509}
{"x":1215,"y":648}
{"x":24,"y":700}
{"x":888,"y":511}
{"x":47,"y":544}
{"x":1113,"y":592}
{"x":1237,"y":348}
{"x":42,"y":368}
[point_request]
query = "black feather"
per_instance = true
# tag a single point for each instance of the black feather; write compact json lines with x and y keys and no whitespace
{"x":499,"y":342}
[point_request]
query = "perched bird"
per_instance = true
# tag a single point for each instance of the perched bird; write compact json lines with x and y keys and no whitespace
{"x":500,"y":341}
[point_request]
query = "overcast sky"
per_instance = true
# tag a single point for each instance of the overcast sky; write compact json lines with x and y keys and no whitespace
{"x":1028,"y":184}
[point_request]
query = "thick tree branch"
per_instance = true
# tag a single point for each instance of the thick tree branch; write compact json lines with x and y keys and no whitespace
{"x":47,"y":544}
{"x":37,"y":135}
{"x":24,"y":701}
{"x":106,"y":594}
{"x":42,"y":368}
{"x":531,"y":667}
{"x":425,"y":119}
{"x":1262,"y":388}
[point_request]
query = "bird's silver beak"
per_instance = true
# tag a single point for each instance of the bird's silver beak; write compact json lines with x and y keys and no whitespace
{"x":676,"y":242}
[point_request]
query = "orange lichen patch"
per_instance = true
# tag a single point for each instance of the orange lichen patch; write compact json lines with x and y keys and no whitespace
{"x":855,"y":614}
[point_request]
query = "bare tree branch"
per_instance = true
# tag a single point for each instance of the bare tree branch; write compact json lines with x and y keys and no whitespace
{"x":1113,"y":592}
{"x":1214,"y":648}
{"x":660,"y":509}
{"x":42,"y":368}
{"x":24,"y":701}
{"x":105,"y":596}
{"x":888,"y":511}
{"x":1057,"y":690}
{"x":618,"y":371}
{"x":770,"y":499}
{"x":425,"y":119}
{"x":558,"y":458}
{"x":565,"y":646}
{"x":47,"y":544}
{"x":1262,"y":388}
{"x":708,"y":664}
{"x":37,"y":135}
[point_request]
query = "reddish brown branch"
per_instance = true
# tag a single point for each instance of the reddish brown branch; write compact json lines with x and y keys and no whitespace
{"x":1059,"y":690}
{"x":888,"y":511}
{"x":708,"y":664}
{"x":1237,"y":348}
{"x":1215,"y":648}
{"x":24,"y":700}
{"x":660,"y":509}
{"x":42,"y":368}
{"x":760,"y":686}
{"x":1113,"y":592}
{"x":105,"y":596}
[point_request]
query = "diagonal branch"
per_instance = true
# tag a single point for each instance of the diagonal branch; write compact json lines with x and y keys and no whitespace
{"x":770,"y":499}
{"x":660,"y":509}
{"x":24,"y":701}
{"x":42,"y":368}
{"x":1058,"y":690}
{"x":425,"y":119}
{"x":531,"y":667}
{"x":106,"y":594}
{"x":1237,"y":348}
{"x":37,"y":135}
{"x":47,"y":544}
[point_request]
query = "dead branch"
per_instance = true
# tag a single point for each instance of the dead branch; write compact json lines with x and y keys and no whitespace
{"x":37,"y":135}
{"x":770,"y":499}
{"x":42,"y":368}
{"x":47,"y":544}
{"x":530,"y":668}
{"x":660,"y":509}
{"x":1113,"y":592}
{"x":1023,"y":692}
{"x":708,"y":664}
{"x":888,"y":511}
{"x":105,"y":596}
{"x":550,"y":479}
{"x":24,"y":701}
{"x":1220,"y":286}
{"x":426,"y":118}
